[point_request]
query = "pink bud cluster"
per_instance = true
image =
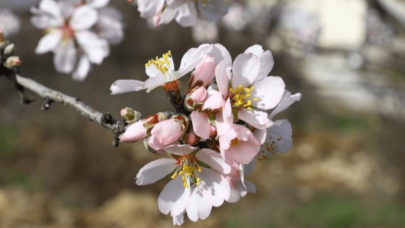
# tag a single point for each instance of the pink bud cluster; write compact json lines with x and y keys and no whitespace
{"x":226,"y":123}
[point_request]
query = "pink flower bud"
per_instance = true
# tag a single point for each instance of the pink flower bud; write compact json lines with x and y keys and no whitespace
{"x":134,"y":132}
{"x":213,"y":130}
{"x":204,"y":72}
{"x":191,"y":138}
{"x":199,"y":94}
{"x":165,"y":133}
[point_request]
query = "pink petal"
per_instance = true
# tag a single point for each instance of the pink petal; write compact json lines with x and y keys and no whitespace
{"x":167,"y":131}
{"x":214,"y":160}
{"x":224,"y":119}
{"x":155,"y":171}
{"x":201,"y":124}
{"x":199,"y":94}
{"x":174,"y":197}
{"x":134,"y":132}
{"x":246,"y":67}
{"x":214,"y":100}
{"x":222,"y":78}
{"x":205,"y":71}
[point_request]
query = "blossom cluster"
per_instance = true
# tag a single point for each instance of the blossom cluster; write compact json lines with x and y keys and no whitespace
{"x":183,"y":11}
{"x":78,"y":32}
{"x":222,"y":126}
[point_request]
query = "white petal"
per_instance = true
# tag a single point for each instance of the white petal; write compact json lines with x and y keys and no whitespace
{"x":180,"y":149}
{"x":266,"y":65}
{"x":219,"y":188}
{"x":260,"y":135}
{"x":214,"y":160}
{"x":49,"y":42}
{"x":255,"y":118}
{"x":201,"y":124}
{"x":285,"y":102}
{"x":247,"y":169}
{"x":192,"y":58}
{"x":110,"y":25}
{"x":222,"y":78}
{"x":245,"y":70}
{"x":279,"y":137}
{"x":152,"y":83}
{"x":94,"y":47}
{"x":98,"y":3}
{"x":174,"y":197}
{"x":256,"y":49}
{"x":84,"y":17}
{"x":65,"y":57}
{"x":125,"y":86}
{"x":51,"y":7}
{"x":149,"y":8}
{"x":220,"y":53}
{"x":198,"y":207}
{"x":178,"y":220}
{"x":269,"y":90}
{"x":82,"y":70}
{"x":155,"y":171}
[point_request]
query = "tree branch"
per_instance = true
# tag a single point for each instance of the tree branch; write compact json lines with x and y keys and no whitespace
{"x":50,"y":95}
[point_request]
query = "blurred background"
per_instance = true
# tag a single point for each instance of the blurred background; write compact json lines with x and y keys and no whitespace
{"x":346,"y":168}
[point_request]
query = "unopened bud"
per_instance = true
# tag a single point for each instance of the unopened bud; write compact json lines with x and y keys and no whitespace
{"x":191,"y":138}
{"x":12,"y":61}
{"x":9,"y":49}
{"x":195,"y":98}
{"x":129,"y":115}
{"x":204,"y":72}
{"x":134,"y":132}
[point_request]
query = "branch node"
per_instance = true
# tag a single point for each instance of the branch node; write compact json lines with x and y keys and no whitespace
{"x":46,"y":104}
{"x":107,"y":118}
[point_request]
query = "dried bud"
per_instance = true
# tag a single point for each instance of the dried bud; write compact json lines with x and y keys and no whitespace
{"x":204,"y":72}
{"x":12,"y":61}
{"x":9,"y":49}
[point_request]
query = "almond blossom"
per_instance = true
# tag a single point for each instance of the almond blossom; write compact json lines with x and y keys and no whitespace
{"x":9,"y":22}
{"x":183,"y":11}
{"x":248,"y":87}
{"x":69,"y":36}
{"x":194,"y":189}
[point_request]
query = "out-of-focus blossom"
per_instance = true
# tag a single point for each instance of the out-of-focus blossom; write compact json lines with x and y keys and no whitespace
{"x":9,"y":22}
{"x":237,"y":18}
{"x":70,"y":36}
{"x":205,"y":31}
{"x":183,"y":11}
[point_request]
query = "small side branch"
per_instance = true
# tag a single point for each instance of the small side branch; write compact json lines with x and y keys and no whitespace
{"x":106,"y":120}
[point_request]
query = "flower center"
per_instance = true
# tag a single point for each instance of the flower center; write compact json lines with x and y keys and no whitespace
{"x":67,"y":31}
{"x":240,"y":97}
{"x":162,"y":64}
{"x":188,"y":168}
{"x":235,"y":142}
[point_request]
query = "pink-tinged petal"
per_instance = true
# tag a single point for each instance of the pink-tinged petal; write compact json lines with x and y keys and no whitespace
{"x":49,"y":42}
{"x":246,"y":67}
{"x":125,"y":86}
{"x":201,"y":124}
{"x":243,"y":133}
{"x":256,"y":49}
{"x":155,"y":143}
{"x":83,"y":17}
{"x":260,"y":135}
{"x":149,"y":8}
{"x":242,"y":153}
{"x":167,"y":131}
{"x":251,"y":188}
{"x":180,"y":149}
{"x":255,"y":118}
{"x":217,"y":186}
{"x":285,"y":102}
{"x":199,"y":206}
{"x":174,"y":197}
{"x":214,"y":160}
{"x":225,"y":140}
{"x":199,"y":94}
{"x":214,"y":100}
{"x":155,"y":170}
{"x":279,"y":137}
{"x":83,"y":68}
{"x":266,"y":65}
{"x":192,"y":58}
{"x":65,"y":57}
{"x":134,"y":132}
{"x":269,"y":92}
{"x":222,"y":78}
{"x":224,"y":119}
{"x":205,"y":71}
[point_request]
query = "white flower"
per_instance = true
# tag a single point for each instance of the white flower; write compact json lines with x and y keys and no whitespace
{"x":69,"y":36}
{"x":183,"y":11}
{"x":194,"y":189}
{"x":9,"y":23}
{"x":161,"y":70}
